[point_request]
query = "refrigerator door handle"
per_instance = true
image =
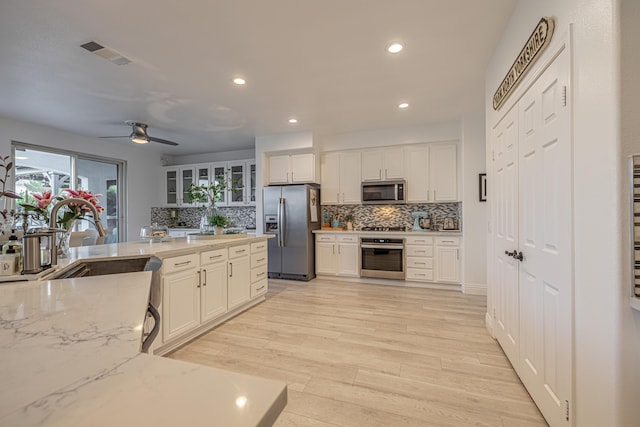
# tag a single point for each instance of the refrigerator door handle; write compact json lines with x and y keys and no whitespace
{"x":281,"y":222}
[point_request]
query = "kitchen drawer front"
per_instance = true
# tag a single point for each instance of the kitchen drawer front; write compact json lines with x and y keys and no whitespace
{"x":179,"y":263}
{"x":259,"y":288}
{"x":258,"y":247}
{"x":258,"y":259}
{"x":350,"y":238}
{"x":210,"y":257}
{"x":419,"y":274}
{"x":419,"y":262}
{"x":423,"y":251}
{"x":447,"y":241}
{"x":418,"y":240}
{"x":258,"y":273}
{"x":325,"y":238}
{"x":238,"y":251}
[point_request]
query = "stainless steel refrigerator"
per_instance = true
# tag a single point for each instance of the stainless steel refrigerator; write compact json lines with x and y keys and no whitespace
{"x":290,"y":213}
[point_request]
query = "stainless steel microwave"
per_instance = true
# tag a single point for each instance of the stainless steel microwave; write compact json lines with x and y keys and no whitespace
{"x":384,"y":192}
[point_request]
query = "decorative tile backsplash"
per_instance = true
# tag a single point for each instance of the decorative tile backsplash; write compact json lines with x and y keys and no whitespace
{"x":396,"y":215}
{"x":239,"y":216}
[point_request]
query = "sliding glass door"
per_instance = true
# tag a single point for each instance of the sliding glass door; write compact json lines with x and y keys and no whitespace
{"x":39,"y":169}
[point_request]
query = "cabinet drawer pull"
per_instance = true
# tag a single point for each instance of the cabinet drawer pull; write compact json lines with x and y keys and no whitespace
{"x":448,"y":241}
{"x":260,"y":247}
{"x":260,"y":274}
{"x":240,"y":251}
{"x":180,"y":264}
{"x":260,"y":260}
{"x":420,"y":274}
{"x":204,"y":282}
{"x":214,"y":257}
{"x":421,"y":263}
{"x":199,"y":279}
{"x":260,"y":288}
{"x":421,"y":252}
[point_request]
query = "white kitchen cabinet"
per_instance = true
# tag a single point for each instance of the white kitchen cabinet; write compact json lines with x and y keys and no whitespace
{"x":382,"y":164}
{"x":337,"y":255}
{"x":237,"y":194}
{"x":239,"y":276}
{"x":259,"y":283}
{"x":292,"y":169}
{"x":181,"y":296}
{"x":448,"y":259}
{"x":419,"y":258}
{"x":431,"y":172}
{"x":177,"y":181}
{"x":213,"y":284}
{"x":443,"y":172}
{"x":250,"y":182}
{"x":341,"y":178}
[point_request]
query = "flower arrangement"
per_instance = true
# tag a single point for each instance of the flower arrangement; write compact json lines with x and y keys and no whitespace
{"x":43,"y":203}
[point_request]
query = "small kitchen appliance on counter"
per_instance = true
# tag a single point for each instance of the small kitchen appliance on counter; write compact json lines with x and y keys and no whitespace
{"x":421,"y":221}
{"x":449,"y":224}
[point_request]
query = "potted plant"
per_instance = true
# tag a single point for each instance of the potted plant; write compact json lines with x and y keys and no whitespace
{"x":208,"y":195}
{"x":349,"y":220}
{"x":218,"y":222}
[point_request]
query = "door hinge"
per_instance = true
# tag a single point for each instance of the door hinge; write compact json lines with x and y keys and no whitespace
{"x":564,"y":96}
{"x":566,"y":412}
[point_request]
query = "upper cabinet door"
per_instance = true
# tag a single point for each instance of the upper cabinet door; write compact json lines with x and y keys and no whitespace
{"x":218,"y":176}
{"x":330,"y":179}
{"x":236,"y":175}
{"x":443,"y":173}
{"x":416,"y":162}
{"x":279,"y":170}
{"x":303,"y":168}
{"x":350,"y":185}
{"x":187,"y":177}
{"x":171,"y":192}
{"x":383,"y":164}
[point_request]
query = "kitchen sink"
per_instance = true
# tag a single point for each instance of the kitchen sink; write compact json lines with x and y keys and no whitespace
{"x":86,"y":268}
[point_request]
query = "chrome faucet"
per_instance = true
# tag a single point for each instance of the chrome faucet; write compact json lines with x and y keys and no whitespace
{"x":76,"y":201}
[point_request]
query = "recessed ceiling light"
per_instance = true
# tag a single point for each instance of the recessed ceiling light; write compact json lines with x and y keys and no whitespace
{"x":22,"y":158}
{"x":239,"y":81}
{"x":293,"y":121}
{"x":394,"y":47}
{"x":403,"y":105}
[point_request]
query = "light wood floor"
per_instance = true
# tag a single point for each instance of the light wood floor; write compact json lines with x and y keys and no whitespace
{"x":367,"y":355}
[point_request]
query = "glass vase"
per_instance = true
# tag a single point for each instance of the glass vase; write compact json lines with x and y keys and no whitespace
{"x":206,"y":224}
{"x":64,"y":240}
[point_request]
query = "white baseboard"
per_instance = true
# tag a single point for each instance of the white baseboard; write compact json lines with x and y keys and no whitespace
{"x":475,"y":288}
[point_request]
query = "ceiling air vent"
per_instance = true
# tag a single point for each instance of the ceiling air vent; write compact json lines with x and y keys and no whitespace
{"x":106,"y":53}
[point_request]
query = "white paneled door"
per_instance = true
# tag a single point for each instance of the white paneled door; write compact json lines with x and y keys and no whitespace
{"x":533,"y":257}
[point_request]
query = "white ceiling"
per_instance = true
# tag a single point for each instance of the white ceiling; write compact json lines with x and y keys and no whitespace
{"x":321,"y":61}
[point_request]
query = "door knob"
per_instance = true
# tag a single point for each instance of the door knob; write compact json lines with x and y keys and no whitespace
{"x":519,"y":256}
{"x":511,"y":254}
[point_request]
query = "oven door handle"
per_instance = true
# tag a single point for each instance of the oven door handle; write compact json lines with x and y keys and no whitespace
{"x":365,"y":246}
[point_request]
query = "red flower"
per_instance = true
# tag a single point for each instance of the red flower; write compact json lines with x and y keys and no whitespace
{"x":44,"y":199}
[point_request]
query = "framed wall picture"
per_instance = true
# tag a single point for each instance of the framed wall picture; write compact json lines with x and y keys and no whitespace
{"x":482,"y":186}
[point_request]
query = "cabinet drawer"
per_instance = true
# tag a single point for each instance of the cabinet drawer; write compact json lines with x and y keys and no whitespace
{"x":209,"y":257}
{"x":419,"y":240}
{"x":259,"y":288}
{"x":179,"y":263}
{"x":258,"y":247}
{"x":415,"y":262}
{"x":447,"y":241}
{"x":258,"y":273}
{"x":238,"y":251}
{"x":258,"y":259}
{"x":423,"y":251}
{"x":418,"y":274}
{"x":325,"y":238}
{"x":350,"y":238}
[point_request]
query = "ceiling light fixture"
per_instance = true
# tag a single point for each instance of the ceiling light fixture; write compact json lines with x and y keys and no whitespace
{"x":394,"y":47}
{"x":139,"y":139}
{"x":293,"y":121}
{"x":239,"y":81}
{"x":403,"y":105}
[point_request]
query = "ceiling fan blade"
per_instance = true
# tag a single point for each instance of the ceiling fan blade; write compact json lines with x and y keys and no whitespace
{"x":163,"y":141}
{"x":107,"y":137}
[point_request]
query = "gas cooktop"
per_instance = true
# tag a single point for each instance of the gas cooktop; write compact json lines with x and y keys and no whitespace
{"x":380,"y":228}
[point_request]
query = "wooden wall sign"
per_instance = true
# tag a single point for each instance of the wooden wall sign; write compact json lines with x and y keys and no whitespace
{"x":529,"y":54}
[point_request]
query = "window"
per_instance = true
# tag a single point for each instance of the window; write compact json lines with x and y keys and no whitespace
{"x":39,"y":169}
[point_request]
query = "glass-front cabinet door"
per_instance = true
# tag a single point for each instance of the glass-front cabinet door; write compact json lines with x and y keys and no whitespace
{"x":236,"y":176}
{"x":202,"y":172}
{"x":187,"y":177}
{"x":218,"y":174}
{"x":171,"y":187}
{"x":251,"y":183}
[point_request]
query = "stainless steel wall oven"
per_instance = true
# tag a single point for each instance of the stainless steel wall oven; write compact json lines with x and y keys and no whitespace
{"x":382,"y":257}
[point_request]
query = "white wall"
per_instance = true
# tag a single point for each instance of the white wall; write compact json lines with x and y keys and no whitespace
{"x":630,"y":319}
{"x":474,"y":212}
{"x":222,"y":156}
{"x":598,"y":284}
{"x":142,"y":165}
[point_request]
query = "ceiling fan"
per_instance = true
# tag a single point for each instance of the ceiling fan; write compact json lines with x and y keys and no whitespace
{"x":139,"y":135}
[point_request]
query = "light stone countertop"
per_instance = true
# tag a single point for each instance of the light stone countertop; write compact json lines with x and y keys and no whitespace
{"x":70,"y":355}
{"x":389,"y":233}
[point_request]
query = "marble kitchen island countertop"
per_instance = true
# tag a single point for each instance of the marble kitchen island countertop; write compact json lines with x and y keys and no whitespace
{"x":70,"y":355}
